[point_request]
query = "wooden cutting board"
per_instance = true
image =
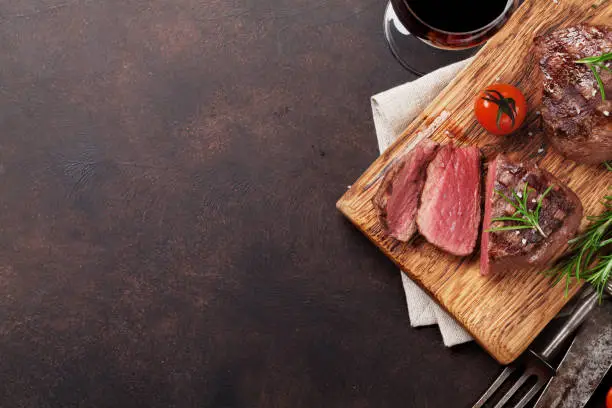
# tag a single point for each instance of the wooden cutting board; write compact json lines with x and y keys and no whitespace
{"x":503,"y":312}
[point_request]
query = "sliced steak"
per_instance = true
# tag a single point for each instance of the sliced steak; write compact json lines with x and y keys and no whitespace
{"x":559,"y":220}
{"x":576,"y":120}
{"x":397,"y":198}
{"x":449,"y":214}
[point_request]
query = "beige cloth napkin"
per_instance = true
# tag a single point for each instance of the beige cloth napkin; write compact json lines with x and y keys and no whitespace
{"x":393,"y":110}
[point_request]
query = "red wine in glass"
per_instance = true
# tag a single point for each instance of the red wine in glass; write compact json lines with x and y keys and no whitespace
{"x":450,"y":25}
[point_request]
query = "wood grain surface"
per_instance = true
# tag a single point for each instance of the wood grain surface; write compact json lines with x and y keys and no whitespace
{"x":503,"y":312}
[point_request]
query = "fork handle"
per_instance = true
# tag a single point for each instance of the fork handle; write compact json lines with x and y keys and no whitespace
{"x":578,"y":316}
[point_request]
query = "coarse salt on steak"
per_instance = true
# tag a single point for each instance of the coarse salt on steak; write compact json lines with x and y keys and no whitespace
{"x":449,"y":214}
{"x":397,"y":198}
{"x":559,"y":220}
{"x":576,"y":120}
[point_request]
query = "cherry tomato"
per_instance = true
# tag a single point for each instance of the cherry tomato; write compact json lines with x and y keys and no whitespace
{"x":609,"y":399}
{"x":500,"y":108}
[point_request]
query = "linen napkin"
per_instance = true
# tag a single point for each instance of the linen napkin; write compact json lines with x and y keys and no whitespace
{"x":393,"y":111}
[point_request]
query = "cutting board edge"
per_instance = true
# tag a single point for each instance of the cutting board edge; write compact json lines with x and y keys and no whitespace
{"x":503,"y":354}
{"x":503,"y":358}
{"x":348,"y":203}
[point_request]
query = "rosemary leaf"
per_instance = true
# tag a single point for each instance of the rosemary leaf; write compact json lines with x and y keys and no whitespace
{"x":596,"y":58}
{"x":588,"y":258}
{"x":600,"y":84}
{"x":528,"y":219}
{"x":510,"y":228}
{"x":594,"y":62}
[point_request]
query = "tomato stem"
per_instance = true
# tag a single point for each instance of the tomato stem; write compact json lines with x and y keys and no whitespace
{"x":505,"y":106}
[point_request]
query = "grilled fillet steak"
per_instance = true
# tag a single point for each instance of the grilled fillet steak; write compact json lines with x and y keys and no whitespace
{"x":449,"y":214}
{"x":576,"y":120}
{"x":560,"y":217}
{"x":397,"y":198}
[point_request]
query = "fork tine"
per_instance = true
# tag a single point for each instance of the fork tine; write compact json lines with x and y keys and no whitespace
{"x":514,"y":389}
{"x":498,"y":382}
{"x":532,"y":392}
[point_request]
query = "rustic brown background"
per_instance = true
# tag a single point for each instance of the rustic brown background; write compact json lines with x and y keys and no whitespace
{"x":168,"y":236}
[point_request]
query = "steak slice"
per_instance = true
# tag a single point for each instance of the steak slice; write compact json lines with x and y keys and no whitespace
{"x":576,"y":120}
{"x":449,"y":214}
{"x":560,"y":217}
{"x":397,"y":198}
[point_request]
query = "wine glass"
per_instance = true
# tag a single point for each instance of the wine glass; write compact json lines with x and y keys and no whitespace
{"x":424,"y":35}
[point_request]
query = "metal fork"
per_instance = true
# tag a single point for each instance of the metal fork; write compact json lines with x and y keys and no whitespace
{"x":538,"y":364}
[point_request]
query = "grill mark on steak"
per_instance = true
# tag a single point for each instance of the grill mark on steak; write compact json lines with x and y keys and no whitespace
{"x":560,"y":217}
{"x":573,"y":112}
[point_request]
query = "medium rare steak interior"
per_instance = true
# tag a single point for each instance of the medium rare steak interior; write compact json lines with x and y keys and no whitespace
{"x":560,"y":216}
{"x":576,"y":120}
{"x":398,"y":196}
{"x":449,"y":214}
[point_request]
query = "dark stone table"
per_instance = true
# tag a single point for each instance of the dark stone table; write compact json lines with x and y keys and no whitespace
{"x":168,"y":235}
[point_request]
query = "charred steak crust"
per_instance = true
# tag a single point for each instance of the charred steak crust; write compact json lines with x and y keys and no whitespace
{"x":397,"y":199}
{"x":576,"y":120}
{"x":385,"y":191}
{"x":560,"y":217}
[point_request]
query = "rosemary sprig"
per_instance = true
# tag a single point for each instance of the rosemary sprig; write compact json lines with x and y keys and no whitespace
{"x":523,"y":216}
{"x":594,"y":63}
{"x":587,"y":259}
{"x":599,"y":275}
